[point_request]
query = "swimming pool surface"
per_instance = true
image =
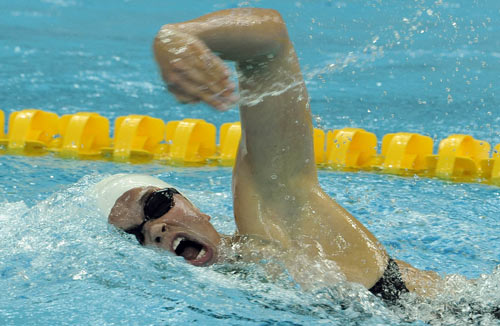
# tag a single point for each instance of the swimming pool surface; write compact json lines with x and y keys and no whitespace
{"x":429,"y":67}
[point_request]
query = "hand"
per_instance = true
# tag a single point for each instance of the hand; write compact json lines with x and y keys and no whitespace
{"x":191,"y":71}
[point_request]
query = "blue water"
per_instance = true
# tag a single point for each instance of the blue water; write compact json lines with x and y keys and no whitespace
{"x":430,"y":67}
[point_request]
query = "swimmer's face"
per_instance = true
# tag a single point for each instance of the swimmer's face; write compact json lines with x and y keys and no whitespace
{"x":182,"y":230}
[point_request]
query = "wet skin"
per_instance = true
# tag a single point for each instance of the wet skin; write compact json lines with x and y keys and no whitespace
{"x":277,"y":196}
{"x":184,"y":230}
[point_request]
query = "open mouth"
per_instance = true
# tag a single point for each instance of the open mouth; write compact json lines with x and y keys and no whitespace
{"x":193,"y":251}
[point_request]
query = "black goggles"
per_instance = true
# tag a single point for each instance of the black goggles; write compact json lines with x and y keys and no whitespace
{"x":157,"y":204}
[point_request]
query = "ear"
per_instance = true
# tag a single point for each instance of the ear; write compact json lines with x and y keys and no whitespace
{"x":127,"y":212}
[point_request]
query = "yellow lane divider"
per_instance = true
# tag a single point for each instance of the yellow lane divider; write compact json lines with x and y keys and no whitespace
{"x":230,"y":134}
{"x":406,"y":152}
{"x":136,"y":137}
{"x":31,"y":130}
{"x":191,"y":140}
{"x":139,"y":138}
{"x":81,"y":134}
{"x":2,"y":123}
{"x":351,"y":148}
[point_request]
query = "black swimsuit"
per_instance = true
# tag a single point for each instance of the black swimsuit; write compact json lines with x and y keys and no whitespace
{"x":391,"y":285}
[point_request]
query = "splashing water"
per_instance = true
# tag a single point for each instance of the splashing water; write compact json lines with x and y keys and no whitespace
{"x":421,"y":66}
{"x":60,"y":255}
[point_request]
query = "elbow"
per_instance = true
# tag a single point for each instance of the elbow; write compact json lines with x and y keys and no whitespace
{"x":273,"y":23}
{"x":267,"y":14}
{"x":268,"y":33}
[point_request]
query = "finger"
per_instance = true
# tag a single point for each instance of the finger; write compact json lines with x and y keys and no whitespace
{"x":192,"y":80}
{"x":209,"y":62}
{"x":229,"y":94}
{"x":182,"y":96}
{"x":204,"y":94}
{"x":173,"y":86}
{"x":222,"y":89}
{"x":203,"y":67}
{"x":216,"y":79}
{"x":185,"y":99}
{"x":211,"y":81}
{"x":188,"y":90}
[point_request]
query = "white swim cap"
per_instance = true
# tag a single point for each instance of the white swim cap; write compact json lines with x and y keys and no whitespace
{"x":108,"y":190}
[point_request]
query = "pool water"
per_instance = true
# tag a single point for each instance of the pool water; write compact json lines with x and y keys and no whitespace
{"x":430,"y":67}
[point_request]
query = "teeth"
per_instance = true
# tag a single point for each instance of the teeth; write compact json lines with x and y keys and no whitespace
{"x":201,"y":254}
{"x":176,"y":242}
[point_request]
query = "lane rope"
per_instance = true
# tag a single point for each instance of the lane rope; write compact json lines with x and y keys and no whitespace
{"x":193,"y":142}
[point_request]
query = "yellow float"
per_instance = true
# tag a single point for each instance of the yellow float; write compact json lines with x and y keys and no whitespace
{"x":140,"y":138}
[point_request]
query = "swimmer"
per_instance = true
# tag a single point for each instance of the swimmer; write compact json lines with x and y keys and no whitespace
{"x":276,"y":195}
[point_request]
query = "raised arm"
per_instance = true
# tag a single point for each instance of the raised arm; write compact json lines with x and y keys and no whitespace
{"x":275,"y":187}
{"x":276,"y":151}
{"x":274,"y":115}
